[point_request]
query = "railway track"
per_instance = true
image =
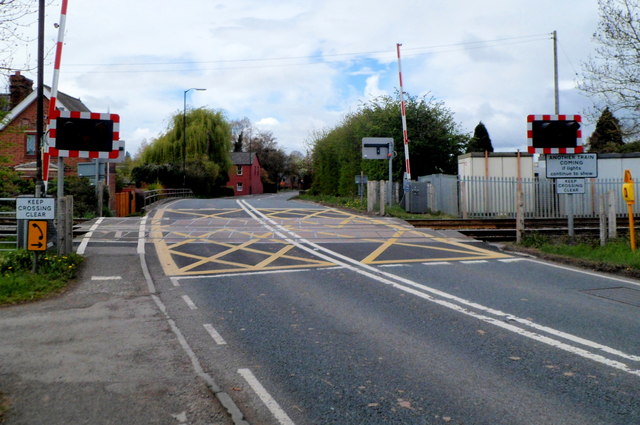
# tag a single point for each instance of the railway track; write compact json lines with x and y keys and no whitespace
{"x":504,"y":229}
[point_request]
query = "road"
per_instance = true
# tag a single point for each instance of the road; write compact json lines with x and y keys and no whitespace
{"x":311,"y":315}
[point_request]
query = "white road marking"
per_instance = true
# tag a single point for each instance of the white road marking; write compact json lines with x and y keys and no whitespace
{"x":588,"y":273}
{"x":438,"y":263}
{"x":214,"y":334}
{"x":106,"y":277}
{"x":83,"y":244}
{"x":392,"y":265}
{"x":174,"y":281}
{"x":511,"y":260}
{"x":450,"y":301}
{"x":474,"y":261}
{"x":266,"y":398}
{"x":189,"y":302}
{"x":141,"y":231}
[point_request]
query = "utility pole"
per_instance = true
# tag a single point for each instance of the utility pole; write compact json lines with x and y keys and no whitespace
{"x":40,"y":100}
{"x":556,"y":93}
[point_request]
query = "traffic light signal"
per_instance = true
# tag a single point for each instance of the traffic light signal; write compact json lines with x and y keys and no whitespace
{"x":554,"y":134}
{"x":84,"y":134}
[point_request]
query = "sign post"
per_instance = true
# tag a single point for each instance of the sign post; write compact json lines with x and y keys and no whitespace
{"x":628,"y":193}
{"x":559,"y":137}
{"x":570,"y":170}
{"x":380,"y":148}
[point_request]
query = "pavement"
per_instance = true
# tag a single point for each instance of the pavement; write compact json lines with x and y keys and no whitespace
{"x":101,"y":353}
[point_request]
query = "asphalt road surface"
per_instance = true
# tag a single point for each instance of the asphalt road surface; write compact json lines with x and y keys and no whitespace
{"x":311,"y":315}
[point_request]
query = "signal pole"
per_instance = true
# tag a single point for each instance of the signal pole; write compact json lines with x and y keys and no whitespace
{"x":554,"y":36}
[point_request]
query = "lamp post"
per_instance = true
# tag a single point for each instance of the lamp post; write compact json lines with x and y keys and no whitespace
{"x":184,"y":136}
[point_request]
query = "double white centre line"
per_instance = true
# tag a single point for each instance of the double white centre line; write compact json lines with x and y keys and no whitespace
{"x":550,"y":336}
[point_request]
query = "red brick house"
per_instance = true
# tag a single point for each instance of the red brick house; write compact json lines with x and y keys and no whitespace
{"x":18,"y":128}
{"x":244,"y":176}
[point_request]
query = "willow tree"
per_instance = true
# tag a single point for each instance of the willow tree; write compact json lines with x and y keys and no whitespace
{"x":207,"y":141}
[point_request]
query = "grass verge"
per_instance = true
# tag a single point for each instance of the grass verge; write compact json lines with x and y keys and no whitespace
{"x":614,"y":257}
{"x":18,"y":284}
{"x":360,"y":205}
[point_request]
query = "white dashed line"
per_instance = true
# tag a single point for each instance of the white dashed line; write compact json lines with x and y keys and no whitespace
{"x":190,"y":303}
{"x":474,"y":262}
{"x":511,"y":260}
{"x":106,"y":277}
{"x":266,"y":398}
{"x":438,"y":263}
{"x":214,"y":334}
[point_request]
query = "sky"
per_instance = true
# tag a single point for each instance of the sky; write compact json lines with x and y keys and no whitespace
{"x":296,"y":67}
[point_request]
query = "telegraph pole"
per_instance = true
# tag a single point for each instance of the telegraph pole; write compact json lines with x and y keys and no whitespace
{"x":556,"y":93}
{"x":40,"y":100}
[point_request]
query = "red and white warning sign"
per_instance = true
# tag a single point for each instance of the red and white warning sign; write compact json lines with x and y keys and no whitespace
{"x":84,"y":135}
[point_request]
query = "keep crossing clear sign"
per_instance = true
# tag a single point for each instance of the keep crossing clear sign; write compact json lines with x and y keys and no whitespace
{"x":570,"y":185}
{"x":35,"y":208}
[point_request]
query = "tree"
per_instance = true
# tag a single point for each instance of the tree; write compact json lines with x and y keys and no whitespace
{"x":607,"y":136}
{"x":208,"y":138}
{"x":14,"y":19}
{"x":612,"y":75}
{"x":272,"y":158}
{"x":241,"y":130}
{"x":435,"y":143}
{"x":480,"y":142}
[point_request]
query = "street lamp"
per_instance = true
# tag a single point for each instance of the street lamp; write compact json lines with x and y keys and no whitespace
{"x":184,"y":136}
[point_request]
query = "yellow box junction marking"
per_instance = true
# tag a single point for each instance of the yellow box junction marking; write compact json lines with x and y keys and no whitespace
{"x":403,"y":236}
{"x":167,"y":251}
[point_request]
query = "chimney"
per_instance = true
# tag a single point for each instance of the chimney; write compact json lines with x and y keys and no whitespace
{"x":19,"y":88}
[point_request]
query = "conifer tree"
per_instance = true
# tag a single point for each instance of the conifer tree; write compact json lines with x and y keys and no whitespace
{"x":480,"y":142}
{"x":607,"y":136}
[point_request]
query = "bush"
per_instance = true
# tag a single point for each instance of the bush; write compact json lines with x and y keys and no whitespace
{"x":85,"y":200}
{"x":19,"y":284}
{"x":56,"y":266}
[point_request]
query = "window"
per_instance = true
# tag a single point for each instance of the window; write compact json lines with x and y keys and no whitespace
{"x":239,"y":170}
{"x":30,"y":145}
{"x":239,"y":187}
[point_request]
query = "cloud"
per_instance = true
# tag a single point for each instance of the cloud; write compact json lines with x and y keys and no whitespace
{"x":298,"y":67}
{"x":267,"y":122}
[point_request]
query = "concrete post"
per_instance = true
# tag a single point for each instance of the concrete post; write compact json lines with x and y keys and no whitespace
{"x":602,"y":213}
{"x":372,"y":195}
{"x":64,"y":225}
{"x":383,"y":197}
{"x":611,"y":213}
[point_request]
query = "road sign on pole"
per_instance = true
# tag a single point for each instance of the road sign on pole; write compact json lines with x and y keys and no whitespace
{"x":37,"y":235}
{"x":570,"y":186}
{"x":41,"y":208}
{"x":571,"y":166}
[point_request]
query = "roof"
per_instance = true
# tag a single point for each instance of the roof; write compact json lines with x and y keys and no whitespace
{"x":71,"y":103}
{"x":242,"y":158}
{"x":64,"y":103}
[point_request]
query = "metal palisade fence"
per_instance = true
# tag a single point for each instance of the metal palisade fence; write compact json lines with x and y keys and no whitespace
{"x":496,"y":197}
